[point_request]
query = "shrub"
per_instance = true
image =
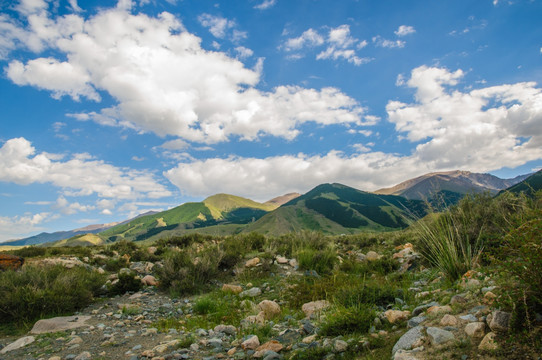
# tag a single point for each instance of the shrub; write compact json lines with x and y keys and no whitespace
{"x":123,"y":247}
{"x":115,"y":265}
{"x":33,"y":293}
{"x":347,"y":320}
{"x":128,"y":282}
{"x":205,"y":305}
{"x":322,"y":261}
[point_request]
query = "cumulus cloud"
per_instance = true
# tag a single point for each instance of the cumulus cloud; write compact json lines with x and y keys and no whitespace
{"x":79,"y":176}
{"x":266,"y":4}
{"x":10,"y":227}
{"x":404,"y":30}
{"x":67,"y":208}
{"x":386,"y":43}
{"x":480,"y":130}
{"x":340,"y":45}
{"x":243,"y":52}
{"x":163,"y":81}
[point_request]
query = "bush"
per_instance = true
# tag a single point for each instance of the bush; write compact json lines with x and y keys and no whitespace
{"x":128,"y":282}
{"x":348,"y":320}
{"x":33,"y":293}
{"x":322,"y":261}
{"x":382,"y":266}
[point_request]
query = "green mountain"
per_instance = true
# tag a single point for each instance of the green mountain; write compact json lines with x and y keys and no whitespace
{"x":220,"y":209}
{"x":529,"y":186}
{"x":338,"y":209}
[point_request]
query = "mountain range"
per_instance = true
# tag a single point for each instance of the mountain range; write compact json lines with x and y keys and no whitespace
{"x":329,"y":208}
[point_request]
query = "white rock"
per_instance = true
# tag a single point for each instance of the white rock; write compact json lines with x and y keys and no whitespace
{"x":19,"y":343}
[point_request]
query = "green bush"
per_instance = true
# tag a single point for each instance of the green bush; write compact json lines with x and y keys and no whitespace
{"x":116,"y":264}
{"x":382,"y":266}
{"x":347,"y":320}
{"x":128,"y":282}
{"x":33,"y":293}
{"x":205,"y":305}
{"x":322,"y":261}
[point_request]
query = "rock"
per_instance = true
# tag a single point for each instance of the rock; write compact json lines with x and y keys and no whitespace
{"x":272,"y":345}
{"x":225,"y":329}
{"x":281,"y":259}
{"x":469,"y":318}
{"x":404,"y":355}
{"x":488,"y":342}
{"x":59,"y":324}
{"x":255,"y":319}
{"x":314,"y":307}
{"x":475,"y":329}
{"x":235,"y":289}
{"x":75,"y":340}
{"x":151,"y":250}
{"x":293,"y":263}
{"x":394,"y":316}
{"x":499,"y":321}
{"x":85,"y":355}
{"x":409,"y":338}
{"x":10,"y":262}
{"x":415,"y":321}
{"x":439,"y":336}
{"x":449,"y":320}
{"x":340,"y":346}
{"x":420,"y":309}
{"x":252,"y":292}
{"x":438,"y":310}
{"x":470,"y":284}
{"x":68,"y":262}
{"x":251,"y":343}
{"x":252,"y":262}
{"x":458,"y":299}
{"x":269,"y":308}
{"x":149,"y":280}
{"x":309,"y":339}
{"x":19,"y":343}
{"x":372,"y":256}
{"x":162,"y":348}
{"x":489,"y":298}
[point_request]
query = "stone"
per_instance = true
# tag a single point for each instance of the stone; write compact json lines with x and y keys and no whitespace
{"x":404,"y":355}
{"x":252,"y":292}
{"x":475,"y":329}
{"x":458,"y":299}
{"x":10,"y":262}
{"x":251,"y":343}
{"x":409,"y":338}
{"x":340,"y":346}
{"x":415,"y":321}
{"x":395,"y":316}
{"x":270,"y":309}
{"x":293,"y":263}
{"x":372,"y":256}
{"x":420,"y":309}
{"x":149,"y":280}
{"x":469,"y":318}
{"x":17,"y":344}
{"x":499,"y":321}
{"x":439,"y":336}
{"x":225,"y":329}
{"x":281,"y":259}
{"x":59,"y":324}
{"x":309,"y":339}
{"x":449,"y":320}
{"x":314,"y":307}
{"x":75,"y":340}
{"x":235,"y":289}
{"x":489,"y":298}
{"x":488,"y":342}
{"x":438,"y":310}
{"x":272,"y":345}
{"x":252,"y":262}
{"x":85,"y":355}
{"x":271,"y":355}
{"x":151,"y":250}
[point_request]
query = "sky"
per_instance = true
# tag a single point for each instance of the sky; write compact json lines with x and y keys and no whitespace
{"x":111,"y":109}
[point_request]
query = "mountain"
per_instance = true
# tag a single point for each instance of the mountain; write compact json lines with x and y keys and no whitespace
{"x":529,"y":186}
{"x":338,"y":209}
{"x":45,"y":237}
{"x":281,"y":200}
{"x":450,"y":186}
{"x":216,"y":210}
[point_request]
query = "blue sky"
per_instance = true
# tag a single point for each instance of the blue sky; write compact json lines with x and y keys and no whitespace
{"x":113,"y":109}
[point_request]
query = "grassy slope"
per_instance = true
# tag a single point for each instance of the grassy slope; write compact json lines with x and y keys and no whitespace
{"x":79,"y":240}
{"x":530,"y":185}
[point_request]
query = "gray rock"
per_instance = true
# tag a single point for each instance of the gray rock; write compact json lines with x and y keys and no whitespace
{"x":439,"y":336}
{"x":500,"y":321}
{"x":59,"y":324}
{"x":418,"y":310}
{"x":271,"y":355}
{"x":415,"y":321}
{"x":408,"y":339}
{"x":85,"y":355}
{"x":215,"y":342}
{"x":253,"y":292}
{"x":458,"y":299}
{"x":22,"y":342}
{"x":340,"y":345}
{"x":225,"y":329}
{"x":469,"y":318}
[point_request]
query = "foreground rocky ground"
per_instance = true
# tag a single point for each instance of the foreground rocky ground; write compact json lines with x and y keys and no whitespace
{"x":458,"y":322}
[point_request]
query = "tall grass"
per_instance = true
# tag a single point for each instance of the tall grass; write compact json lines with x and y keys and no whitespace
{"x":443,"y":241}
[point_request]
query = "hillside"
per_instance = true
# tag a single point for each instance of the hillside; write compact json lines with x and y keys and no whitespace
{"x":450,"y":186}
{"x":529,"y":186}
{"x":339,"y":209}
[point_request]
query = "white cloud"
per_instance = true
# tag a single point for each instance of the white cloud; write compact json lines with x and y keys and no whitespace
{"x":163,"y":80}
{"x":385,"y":43}
{"x":266,"y":4}
{"x":217,"y":25}
{"x":309,"y":38}
{"x":243,"y":52}
{"x":16,"y":227}
{"x":79,"y":176}
{"x":404,"y":30}
{"x":67,"y":208}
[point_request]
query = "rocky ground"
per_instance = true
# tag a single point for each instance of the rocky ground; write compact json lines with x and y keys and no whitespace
{"x":457,"y":323}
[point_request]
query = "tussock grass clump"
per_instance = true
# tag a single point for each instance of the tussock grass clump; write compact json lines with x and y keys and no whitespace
{"x":33,"y":293}
{"x":344,"y":320}
{"x":321,"y":261}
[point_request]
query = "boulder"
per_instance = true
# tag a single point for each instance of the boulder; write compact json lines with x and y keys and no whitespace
{"x":251,"y":343}
{"x":22,"y":342}
{"x":252,"y":292}
{"x":225,"y":329}
{"x":272,"y":345}
{"x":449,"y":320}
{"x":439,"y":336}
{"x":439,"y":310}
{"x":314,"y":307}
{"x":59,"y":324}
{"x":252,"y":262}
{"x":10,"y":262}
{"x":406,"y":342}
{"x":149,"y":280}
{"x":269,"y":308}
{"x":475,"y":329}
{"x":499,"y":321}
{"x":236,"y":289}
{"x":488,"y":342}
{"x":394,"y":316}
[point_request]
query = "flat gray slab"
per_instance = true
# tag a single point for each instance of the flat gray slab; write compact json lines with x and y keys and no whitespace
{"x":22,"y":342}
{"x":408,"y":338}
{"x":59,"y":324}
